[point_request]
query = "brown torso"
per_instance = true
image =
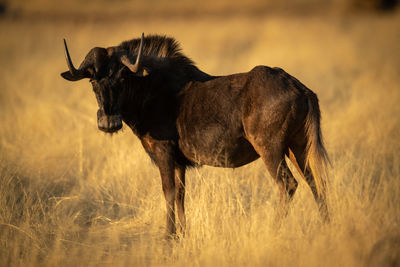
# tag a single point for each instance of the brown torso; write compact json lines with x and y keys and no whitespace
{"x":216,"y":119}
{"x":209,"y":122}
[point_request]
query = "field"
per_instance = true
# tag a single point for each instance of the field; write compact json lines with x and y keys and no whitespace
{"x":71,"y":195}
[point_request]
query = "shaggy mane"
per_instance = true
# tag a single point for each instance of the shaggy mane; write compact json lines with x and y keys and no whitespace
{"x":157,"y":46}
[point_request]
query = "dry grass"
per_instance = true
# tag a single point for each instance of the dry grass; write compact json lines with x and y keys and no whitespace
{"x":71,"y":195}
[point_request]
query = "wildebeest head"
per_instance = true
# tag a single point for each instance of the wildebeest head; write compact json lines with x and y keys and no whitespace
{"x":106,"y":68}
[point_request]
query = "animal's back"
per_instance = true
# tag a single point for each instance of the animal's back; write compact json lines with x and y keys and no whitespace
{"x":212,"y":113}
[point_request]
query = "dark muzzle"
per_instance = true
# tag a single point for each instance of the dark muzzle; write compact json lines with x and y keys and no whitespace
{"x":108,"y":123}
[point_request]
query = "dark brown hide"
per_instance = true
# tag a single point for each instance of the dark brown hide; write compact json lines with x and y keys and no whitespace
{"x":185,"y":117}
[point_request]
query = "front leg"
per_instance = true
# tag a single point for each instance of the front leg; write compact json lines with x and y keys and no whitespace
{"x":180,"y":196}
{"x":161,"y":151}
{"x":166,"y":167}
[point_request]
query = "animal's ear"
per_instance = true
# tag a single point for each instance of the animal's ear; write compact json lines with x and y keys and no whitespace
{"x":143,"y":72}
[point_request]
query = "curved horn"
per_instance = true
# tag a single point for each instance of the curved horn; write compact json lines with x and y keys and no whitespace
{"x":73,"y":74}
{"x":71,"y":67}
{"x":137,"y":66}
{"x":139,"y":55}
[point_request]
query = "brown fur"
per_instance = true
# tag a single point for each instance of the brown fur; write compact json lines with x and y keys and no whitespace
{"x":185,"y":117}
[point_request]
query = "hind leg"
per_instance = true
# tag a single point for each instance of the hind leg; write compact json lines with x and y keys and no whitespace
{"x":297,"y":155}
{"x":274,"y":159}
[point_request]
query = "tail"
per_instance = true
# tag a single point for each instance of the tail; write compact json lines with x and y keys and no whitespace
{"x":317,"y":158}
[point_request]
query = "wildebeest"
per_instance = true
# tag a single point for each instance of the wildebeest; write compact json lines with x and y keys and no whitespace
{"x":185,"y":117}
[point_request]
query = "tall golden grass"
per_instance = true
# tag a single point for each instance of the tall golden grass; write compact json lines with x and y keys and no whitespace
{"x":73,"y":196}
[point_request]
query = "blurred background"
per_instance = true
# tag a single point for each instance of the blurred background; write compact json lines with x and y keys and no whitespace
{"x":186,"y":8}
{"x":72,"y":195}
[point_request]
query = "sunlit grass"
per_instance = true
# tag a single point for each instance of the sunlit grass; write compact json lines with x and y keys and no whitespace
{"x":71,"y":195}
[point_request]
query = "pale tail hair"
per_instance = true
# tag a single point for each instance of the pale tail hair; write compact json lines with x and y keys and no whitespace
{"x":317,"y":158}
